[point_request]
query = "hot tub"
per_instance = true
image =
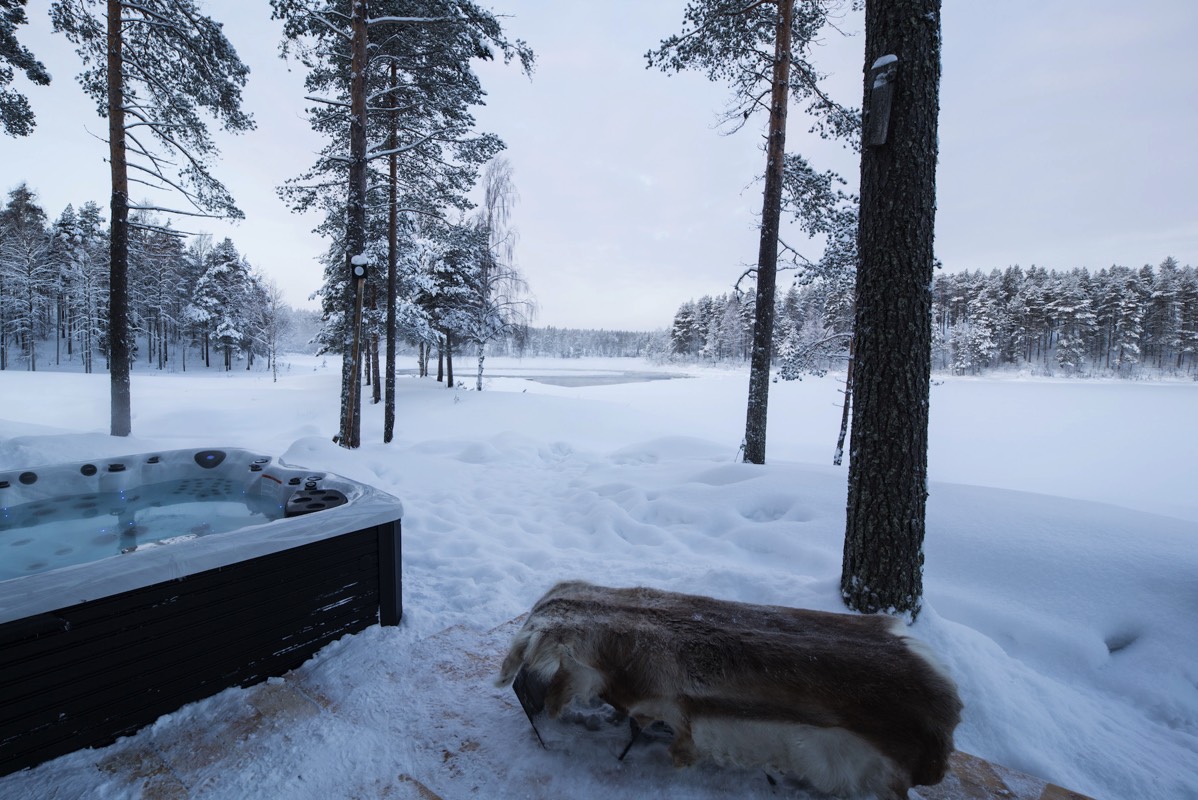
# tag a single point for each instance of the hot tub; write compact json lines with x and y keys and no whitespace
{"x":131,"y":586}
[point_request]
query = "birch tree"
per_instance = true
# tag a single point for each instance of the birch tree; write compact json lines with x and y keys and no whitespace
{"x":499,"y":301}
{"x":152,"y":67}
{"x":273,"y":323}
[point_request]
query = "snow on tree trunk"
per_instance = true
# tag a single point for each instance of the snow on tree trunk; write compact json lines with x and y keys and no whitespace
{"x":883,"y":549}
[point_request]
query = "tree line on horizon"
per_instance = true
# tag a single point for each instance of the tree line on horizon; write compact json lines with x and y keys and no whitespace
{"x":1117,"y":321}
{"x":202,"y":299}
{"x":200,"y":303}
{"x":203,"y":304}
{"x":195,"y":302}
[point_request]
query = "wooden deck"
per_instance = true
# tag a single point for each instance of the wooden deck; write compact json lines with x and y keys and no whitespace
{"x":468,"y":726}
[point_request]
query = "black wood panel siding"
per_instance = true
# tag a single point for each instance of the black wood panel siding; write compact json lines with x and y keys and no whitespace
{"x":84,"y":675}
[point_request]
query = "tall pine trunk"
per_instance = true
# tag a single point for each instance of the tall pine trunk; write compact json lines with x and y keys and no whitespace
{"x":392,"y":263}
{"x":767,"y":257}
{"x":376,"y":395}
{"x":118,"y":285}
{"x":887,"y":492}
{"x":355,"y":230}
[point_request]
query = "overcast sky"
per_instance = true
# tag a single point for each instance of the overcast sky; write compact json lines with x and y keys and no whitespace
{"x":1066,"y":140}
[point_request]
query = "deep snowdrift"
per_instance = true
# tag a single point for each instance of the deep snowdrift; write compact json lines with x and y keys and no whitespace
{"x":1067,"y":622}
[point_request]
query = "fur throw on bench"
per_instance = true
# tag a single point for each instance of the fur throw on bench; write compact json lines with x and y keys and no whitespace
{"x":850,"y":703}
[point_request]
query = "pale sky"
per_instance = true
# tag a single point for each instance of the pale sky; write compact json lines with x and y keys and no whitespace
{"x":1066,"y":134}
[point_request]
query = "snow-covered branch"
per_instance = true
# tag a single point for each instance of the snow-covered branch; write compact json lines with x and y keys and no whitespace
{"x":408,"y":20}
{"x":397,"y":150}
{"x":176,"y":211}
{"x":751,"y":7}
{"x":327,"y":101}
{"x":145,"y":226}
{"x":320,"y":18}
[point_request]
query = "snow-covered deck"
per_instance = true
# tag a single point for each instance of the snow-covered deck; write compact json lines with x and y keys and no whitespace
{"x":456,"y":743}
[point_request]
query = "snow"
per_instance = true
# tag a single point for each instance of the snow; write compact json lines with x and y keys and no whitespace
{"x":1060,"y":585}
{"x":883,"y":78}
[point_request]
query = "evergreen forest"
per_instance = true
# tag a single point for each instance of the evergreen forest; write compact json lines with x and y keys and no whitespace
{"x":1117,"y":322}
{"x":200,"y":303}
{"x":197,"y":303}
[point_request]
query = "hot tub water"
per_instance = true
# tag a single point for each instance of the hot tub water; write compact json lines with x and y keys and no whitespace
{"x":57,"y":532}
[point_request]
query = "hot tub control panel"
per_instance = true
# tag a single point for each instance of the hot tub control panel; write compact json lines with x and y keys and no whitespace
{"x":306,"y":500}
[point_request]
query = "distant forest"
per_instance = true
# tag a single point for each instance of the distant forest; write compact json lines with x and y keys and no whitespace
{"x":193,"y":302}
{"x":202,"y":304}
{"x":1118,"y":321}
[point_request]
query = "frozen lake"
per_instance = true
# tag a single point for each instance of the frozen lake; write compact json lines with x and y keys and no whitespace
{"x":570,"y":378}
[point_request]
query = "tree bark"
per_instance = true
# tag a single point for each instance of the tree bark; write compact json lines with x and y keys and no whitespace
{"x":887,"y":492}
{"x":355,"y":229}
{"x":844,"y":410}
{"x":118,"y":281}
{"x":375,"y":381}
{"x":392,"y":264}
{"x":767,"y":257}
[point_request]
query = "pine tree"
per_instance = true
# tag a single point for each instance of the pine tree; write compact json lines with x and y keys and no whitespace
{"x":883,"y":550}
{"x":760,"y":49}
{"x":26,"y":274}
{"x":157,"y":266}
{"x":1161,"y":321}
{"x":392,"y":81}
{"x":83,"y":263}
{"x":16,"y":117}
{"x":1039,"y":324}
{"x":683,"y":334}
{"x":448,"y":295}
{"x":224,"y":301}
{"x":1128,"y":322}
{"x":151,"y":67}
{"x":986,"y":324}
{"x":1070,"y":306}
{"x":1187,"y":319}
